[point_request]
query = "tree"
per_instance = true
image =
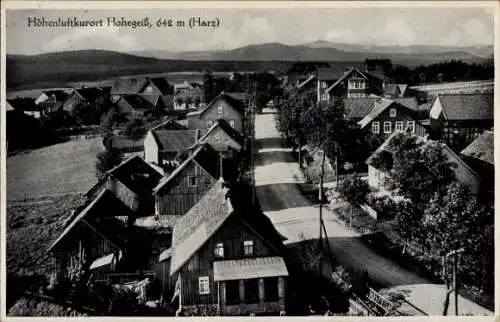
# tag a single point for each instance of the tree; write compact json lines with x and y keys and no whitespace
{"x":454,"y":220}
{"x":134,"y":130}
{"x":208,"y":87}
{"x":354,"y":190}
{"x":106,"y":161}
{"x":406,"y":221}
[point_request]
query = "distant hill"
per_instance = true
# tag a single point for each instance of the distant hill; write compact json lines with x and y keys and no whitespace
{"x":327,"y":51}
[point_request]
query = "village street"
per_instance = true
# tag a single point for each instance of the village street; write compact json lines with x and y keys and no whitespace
{"x":278,"y":180}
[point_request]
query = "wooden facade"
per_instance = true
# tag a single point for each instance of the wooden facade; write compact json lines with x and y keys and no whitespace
{"x":395,"y":119}
{"x":234,"y":297}
{"x":354,"y":85}
{"x":219,"y":108}
{"x":180,"y":195}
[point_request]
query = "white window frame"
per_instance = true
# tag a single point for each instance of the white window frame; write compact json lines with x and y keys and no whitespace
{"x":203,"y":285}
{"x":248,"y":243}
{"x":323,"y":97}
{"x":231,"y":123}
{"x":399,"y":126}
{"x":392,"y":112}
{"x":220,"y":110}
{"x":209,"y":124}
{"x":411,"y":125}
{"x":323,"y":84}
{"x":219,"y":250}
{"x":376,"y":127}
{"x":389,"y":127}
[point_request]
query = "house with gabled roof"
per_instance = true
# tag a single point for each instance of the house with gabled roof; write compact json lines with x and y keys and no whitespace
{"x":353,"y":83}
{"x":57,"y":95}
{"x":156,"y":90}
{"x":395,"y":90}
{"x":222,"y":261}
{"x":388,"y":116}
{"x":221,"y":107}
{"x":381,"y":161}
{"x":176,"y":193}
{"x":90,"y":97}
{"x":164,"y":146}
{"x":480,"y":156}
{"x":223,"y":138}
{"x":27,"y":106}
{"x":132,"y":182}
{"x":458,"y":119}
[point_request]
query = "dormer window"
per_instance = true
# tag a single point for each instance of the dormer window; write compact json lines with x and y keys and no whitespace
{"x":392,"y":112}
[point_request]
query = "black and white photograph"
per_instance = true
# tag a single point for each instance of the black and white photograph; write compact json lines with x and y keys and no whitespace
{"x":252,"y":159}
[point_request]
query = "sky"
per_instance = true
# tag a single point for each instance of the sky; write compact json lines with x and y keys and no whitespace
{"x":240,"y":27}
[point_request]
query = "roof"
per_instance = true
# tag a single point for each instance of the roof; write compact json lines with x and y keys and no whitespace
{"x":425,"y":108}
{"x":367,"y":76}
{"x":162,"y":84}
{"x":306,"y":81}
{"x":24,"y":104}
{"x":139,"y":103}
{"x":380,"y":105}
{"x":482,"y":148}
{"x":391,"y":89}
{"x":221,"y":123}
{"x":8,"y":107}
{"x":91,"y":93}
{"x":51,"y":106}
{"x":226,"y":270}
{"x":402,"y":88}
{"x":123,"y":143}
{"x":104,"y":205}
{"x":409,"y":102}
{"x":193,"y":229}
{"x":128,"y":85}
{"x":467,"y":106}
{"x":205,"y":156}
{"x":59,"y":95}
{"x":385,"y":146}
{"x":359,"y":107}
{"x":175,"y":140}
{"x":102,"y":261}
{"x":137,"y":175}
{"x":169,"y":124}
{"x":241,"y":96}
{"x":237,"y":104}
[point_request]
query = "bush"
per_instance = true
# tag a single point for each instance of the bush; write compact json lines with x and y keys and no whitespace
{"x":35,"y":307}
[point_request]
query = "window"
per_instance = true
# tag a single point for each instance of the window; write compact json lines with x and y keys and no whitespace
{"x":248,"y":247}
{"x":220,"y":110}
{"x":387,"y":127}
{"x":231,"y":123}
{"x":323,"y":84}
{"x":209,"y":123}
{"x":323,"y":97}
{"x":219,"y":250}
{"x":271,"y":289}
{"x":356,"y":84}
{"x":410,"y":125}
{"x":399,"y":126}
{"x":203,"y":285}
{"x":149,"y":89}
{"x":192,"y":181}
{"x":193,"y":264}
{"x":392,"y":112}
{"x":252,"y":291}
{"x":375,"y":128}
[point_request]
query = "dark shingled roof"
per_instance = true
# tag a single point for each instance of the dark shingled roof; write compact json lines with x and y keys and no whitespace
{"x":359,"y":107}
{"x":482,"y":148}
{"x":59,"y":95}
{"x":169,"y":124}
{"x":467,"y":106}
{"x":391,"y":89}
{"x":175,"y":140}
{"x":235,"y":135}
{"x":237,"y":104}
{"x":163,"y":85}
{"x":330,"y":73}
{"x":24,"y":104}
{"x":90,"y":94}
{"x":137,"y":102}
{"x":128,"y":85}
{"x":409,"y":102}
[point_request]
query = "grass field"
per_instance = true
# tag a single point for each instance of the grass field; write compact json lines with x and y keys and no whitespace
{"x":55,"y":170}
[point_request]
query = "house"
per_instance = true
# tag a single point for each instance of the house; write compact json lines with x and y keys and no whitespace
{"x":357,"y":108}
{"x":94,"y":240}
{"x":89,"y":96}
{"x":388,"y":116}
{"x":458,"y":119}
{"x":223,"y":262}
{"x":380,"y":163}
{"x":481,"y":157}
{"x":127,"y":147}
{"x":151,"y":89}
{"x":189,"y":96}
{"x":351,"y":84}
{"x":187,"y":184}
{"x":132,"y":182}
{"x":163,"y":146}
{"x":27,"y":106}
{"x":223,"y":138}
{"x":132,"y":106}
{"x":52,"y":96}
{"x":221,"y":107}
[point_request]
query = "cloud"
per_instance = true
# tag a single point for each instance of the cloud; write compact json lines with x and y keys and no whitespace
{"x":95,"y":38}
{"x":341,"y":35}
{"x":253,"y":30}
